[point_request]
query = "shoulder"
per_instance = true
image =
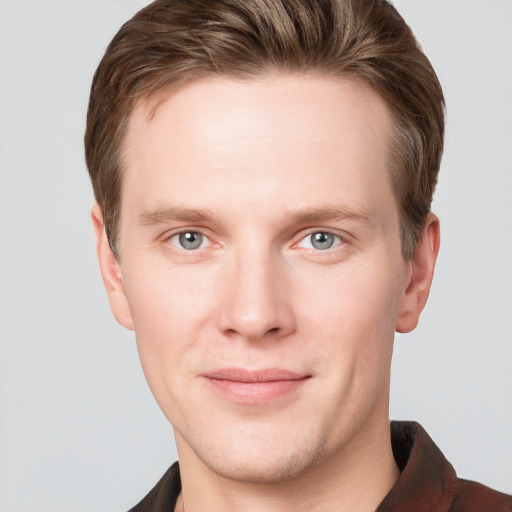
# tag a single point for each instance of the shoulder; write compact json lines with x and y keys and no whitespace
{"x":474,"y":497}
{"x":163,"y":496}
{"x":428,"y":482}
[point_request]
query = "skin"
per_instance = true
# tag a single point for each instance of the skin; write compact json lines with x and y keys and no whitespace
{"x":255,"y":168}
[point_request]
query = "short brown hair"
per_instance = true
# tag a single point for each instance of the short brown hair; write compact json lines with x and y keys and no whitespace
{"x":172,"y":42}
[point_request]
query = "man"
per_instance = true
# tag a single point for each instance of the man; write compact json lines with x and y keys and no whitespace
{"x":263,"y":173}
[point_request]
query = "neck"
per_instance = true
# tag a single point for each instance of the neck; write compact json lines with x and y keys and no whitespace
{"x":355,"y":479}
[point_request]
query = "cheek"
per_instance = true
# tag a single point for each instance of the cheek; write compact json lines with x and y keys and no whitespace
{"x":166,"y":298}
{"x":169,"y":309}
{"x":164,"y":324}
{"x":354,"y":315}
{"x":355,"y":298}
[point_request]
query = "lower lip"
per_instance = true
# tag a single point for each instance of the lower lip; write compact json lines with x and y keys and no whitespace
{"x":255,"y":392}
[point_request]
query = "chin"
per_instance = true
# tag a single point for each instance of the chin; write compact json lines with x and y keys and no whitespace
{"x":263,"y":464}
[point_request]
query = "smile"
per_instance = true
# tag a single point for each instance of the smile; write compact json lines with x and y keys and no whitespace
{"x":255,"y":387}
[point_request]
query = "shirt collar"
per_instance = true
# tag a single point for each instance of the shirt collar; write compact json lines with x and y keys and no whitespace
{"x":427,"y":480}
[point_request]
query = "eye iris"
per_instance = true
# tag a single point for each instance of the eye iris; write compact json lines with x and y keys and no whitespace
{"x":190,"y":240}
{"x":322,"y":240}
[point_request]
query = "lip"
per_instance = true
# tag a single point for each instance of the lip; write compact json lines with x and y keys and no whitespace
{"x":255,"y":387}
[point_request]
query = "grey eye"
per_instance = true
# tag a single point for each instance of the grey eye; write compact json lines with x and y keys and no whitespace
{"x":322,"y":240}
{"x":190,"y":240}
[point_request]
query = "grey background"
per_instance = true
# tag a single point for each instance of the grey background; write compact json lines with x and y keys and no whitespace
{"x":79,"y":430}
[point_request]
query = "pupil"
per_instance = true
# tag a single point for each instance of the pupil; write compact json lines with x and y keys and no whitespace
{"x":190,"y":240}
{"x":322,"y":240}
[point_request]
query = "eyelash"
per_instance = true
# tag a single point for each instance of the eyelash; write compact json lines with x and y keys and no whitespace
{"x":184,"y":233}
{"x":336,"y":240}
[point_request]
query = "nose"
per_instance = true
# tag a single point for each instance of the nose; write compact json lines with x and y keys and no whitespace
{"x":257,"y":303}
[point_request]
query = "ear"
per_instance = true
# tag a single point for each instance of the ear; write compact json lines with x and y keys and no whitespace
{"x":422,"y":270}
{"x":110,"y":271}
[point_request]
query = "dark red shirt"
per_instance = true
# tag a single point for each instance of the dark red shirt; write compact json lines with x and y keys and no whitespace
{"x":427,"y":483}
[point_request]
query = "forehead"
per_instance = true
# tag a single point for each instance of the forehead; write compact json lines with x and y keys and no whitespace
{"x":242,"y":103}
{"x":284,"y":135}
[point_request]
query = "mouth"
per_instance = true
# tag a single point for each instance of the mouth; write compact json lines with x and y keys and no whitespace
{"x":255,"y":387}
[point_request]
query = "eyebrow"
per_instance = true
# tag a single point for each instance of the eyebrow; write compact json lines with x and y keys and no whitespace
{"x":165,"y":214}
{"x":311,"y":215}
{"x":174,"y":213}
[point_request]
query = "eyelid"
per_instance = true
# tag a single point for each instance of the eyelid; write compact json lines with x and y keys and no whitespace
{"x":341,"y":239}
{"x":174,"y":233}
{"x":204,"y":241}
{"x":304,"y":234}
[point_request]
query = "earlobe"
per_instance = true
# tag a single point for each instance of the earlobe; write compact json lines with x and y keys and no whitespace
{"x":110,"y":272}
{"x":422,"y":270}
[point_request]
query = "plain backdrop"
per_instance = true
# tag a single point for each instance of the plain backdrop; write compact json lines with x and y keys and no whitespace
{"x":79,"y":429}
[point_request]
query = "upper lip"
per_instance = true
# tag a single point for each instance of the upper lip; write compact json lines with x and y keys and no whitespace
{"x":253,"y":376}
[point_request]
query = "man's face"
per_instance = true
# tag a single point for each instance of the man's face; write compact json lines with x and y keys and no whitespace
{"x":262,"y":267}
